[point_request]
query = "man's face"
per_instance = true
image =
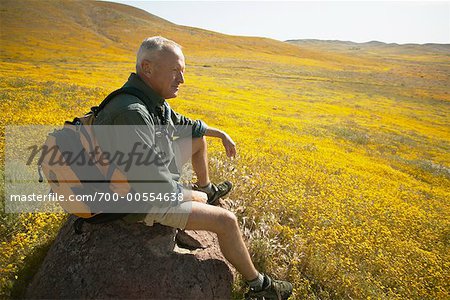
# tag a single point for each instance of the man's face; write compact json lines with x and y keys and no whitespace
{"x":165,"y":73}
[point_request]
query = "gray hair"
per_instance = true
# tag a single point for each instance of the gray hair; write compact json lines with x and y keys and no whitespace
{"x":151,"y":47}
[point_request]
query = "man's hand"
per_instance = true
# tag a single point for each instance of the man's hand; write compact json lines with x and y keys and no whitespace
{"x":230,"y":146}
{"x":228,"y":143}
{"x":197,"y":196}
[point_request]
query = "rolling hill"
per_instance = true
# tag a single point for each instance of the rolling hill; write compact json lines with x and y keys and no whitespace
{"x":343,"y":169}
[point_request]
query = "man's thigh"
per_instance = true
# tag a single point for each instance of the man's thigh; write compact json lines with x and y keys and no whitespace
{"x":189,"y":215}
{"x":209,"y":217}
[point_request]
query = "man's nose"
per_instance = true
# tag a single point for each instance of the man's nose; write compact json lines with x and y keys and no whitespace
{"x":181,"y":77}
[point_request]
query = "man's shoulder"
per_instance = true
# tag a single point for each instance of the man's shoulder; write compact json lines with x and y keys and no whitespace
{"x":126,"y":102}
{"x":121,"y":104}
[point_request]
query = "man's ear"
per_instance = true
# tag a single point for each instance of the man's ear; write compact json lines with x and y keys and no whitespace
{"x":147,"y":67}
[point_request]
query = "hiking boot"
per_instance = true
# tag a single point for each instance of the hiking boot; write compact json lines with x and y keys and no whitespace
{"x":217,"y":191}
{"x":272,"y":289}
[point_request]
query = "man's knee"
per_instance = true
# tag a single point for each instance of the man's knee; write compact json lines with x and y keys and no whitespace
{"x":227,"y":222}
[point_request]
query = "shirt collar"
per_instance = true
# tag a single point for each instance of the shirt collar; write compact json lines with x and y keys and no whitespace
{"x":135,"y":81}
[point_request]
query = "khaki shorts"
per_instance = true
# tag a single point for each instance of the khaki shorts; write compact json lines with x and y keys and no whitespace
{"x":173,"y":216}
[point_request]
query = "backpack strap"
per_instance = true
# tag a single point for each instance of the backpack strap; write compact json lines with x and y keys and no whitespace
{"x":124,"y":90}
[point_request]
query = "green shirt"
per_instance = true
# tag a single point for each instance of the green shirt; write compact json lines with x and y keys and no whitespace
{"x":151,"y":126}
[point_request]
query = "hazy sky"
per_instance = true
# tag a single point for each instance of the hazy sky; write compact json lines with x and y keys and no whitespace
{"x":362,"y":21}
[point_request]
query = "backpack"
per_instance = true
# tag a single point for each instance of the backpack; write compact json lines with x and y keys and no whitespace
{"x":66,"y":178}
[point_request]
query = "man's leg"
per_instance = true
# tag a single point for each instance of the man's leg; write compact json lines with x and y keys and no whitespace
{"x":199,"y":155}
{"x":196,"y":149}
{"x":212,"y":218}
{"x":225,"y":225}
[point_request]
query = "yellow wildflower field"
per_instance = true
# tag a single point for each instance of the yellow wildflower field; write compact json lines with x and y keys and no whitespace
{"x":343,"y":169}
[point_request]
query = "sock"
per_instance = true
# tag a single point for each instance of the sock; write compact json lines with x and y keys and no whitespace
{"x":207,"y":189}
{"x":257,"y":283}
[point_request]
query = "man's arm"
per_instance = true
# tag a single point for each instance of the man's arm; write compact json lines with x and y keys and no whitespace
{"x":197,"y":128}
{"x":133,"y":140}
{"x":228,"y":143}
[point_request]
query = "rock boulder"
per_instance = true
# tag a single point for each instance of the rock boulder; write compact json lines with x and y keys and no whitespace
{"x":121,"y":260}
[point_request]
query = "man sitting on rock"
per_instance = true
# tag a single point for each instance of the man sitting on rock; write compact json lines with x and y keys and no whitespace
{"x":159,"y":73}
